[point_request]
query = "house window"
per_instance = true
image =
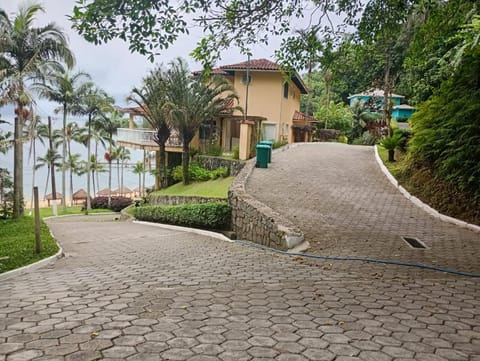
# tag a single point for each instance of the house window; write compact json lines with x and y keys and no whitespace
{"x":269,"y":131}
{"x":285,"y":90}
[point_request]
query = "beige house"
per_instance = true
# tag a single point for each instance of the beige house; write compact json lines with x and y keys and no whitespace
{"x":271,"y":103}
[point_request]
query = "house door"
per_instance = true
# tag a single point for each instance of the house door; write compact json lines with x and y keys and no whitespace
{"x":298,"y":135}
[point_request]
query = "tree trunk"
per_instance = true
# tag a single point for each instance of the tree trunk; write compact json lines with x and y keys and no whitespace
{"x":64,"y":158}
{"x":185,"y":163}
{"x":89,"y":207}
{"x":110,"y":173}
{"x":386,"y":92}
{"x":33,"y":173}
{"x":71,"y":175}
{"x":391,"y":155}
{"x":163,"y":167}
{"x":120,"y":185}
{"x":96,"y":169}
{"x":18,"y":166}
{"x":144,"y":171}
{"x":52,"y":167}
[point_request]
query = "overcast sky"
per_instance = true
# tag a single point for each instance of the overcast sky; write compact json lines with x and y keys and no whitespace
{"x":111,"y":65}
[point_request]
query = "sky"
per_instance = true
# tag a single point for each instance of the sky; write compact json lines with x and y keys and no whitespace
{"x":111,"y":66}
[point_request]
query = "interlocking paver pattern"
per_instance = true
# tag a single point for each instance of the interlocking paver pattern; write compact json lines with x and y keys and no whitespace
{"x":127,"y":291}
{"x":338,"y":196}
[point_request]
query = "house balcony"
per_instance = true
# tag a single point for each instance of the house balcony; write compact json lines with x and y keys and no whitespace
{"x":144,"y":139}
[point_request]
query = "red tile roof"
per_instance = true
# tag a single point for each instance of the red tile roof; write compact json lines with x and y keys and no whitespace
{"x":255,"y":64}
{"x":302,"y":116}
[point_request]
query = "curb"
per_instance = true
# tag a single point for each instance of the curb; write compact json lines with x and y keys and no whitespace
{"x":33,"y":266}
{"x":200,"y":232}
{"x":433,"y":212}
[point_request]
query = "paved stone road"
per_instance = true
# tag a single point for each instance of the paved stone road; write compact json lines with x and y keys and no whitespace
{"x":133,"y":292}
{"x":339,"y":198}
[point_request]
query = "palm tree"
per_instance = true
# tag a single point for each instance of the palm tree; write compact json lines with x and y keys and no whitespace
{"x":51,"y":160}
{"x":26,"y":53}
{"x":151,"y":97}
{"x":139,"y":169}
{"x":124,"y":157}
{"x":95,"y":167}
{"x":109,"y":123}
{"x":74,"y":167}
{"x":91,"y":103}
{"x":192,"y":101}
{"x":5,"y":139}
{"x":36,"y":130}
{"x":63,"y":87}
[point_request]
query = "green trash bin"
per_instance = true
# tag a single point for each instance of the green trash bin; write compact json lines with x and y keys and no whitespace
{"x":270,"y":144}
{"x":262,"y":155}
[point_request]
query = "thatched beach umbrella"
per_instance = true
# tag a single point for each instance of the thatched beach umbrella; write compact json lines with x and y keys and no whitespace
{"x":79,"y":196}
{"x":103,"y":193}
{"x":49,"y":197}
{"x":125,"y":191}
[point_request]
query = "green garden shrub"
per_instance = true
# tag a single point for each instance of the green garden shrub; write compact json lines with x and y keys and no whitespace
{"x":221,"y":172}
{"x":117,"y":203}
{"x":214,"y":215}
{"x":236,"y":152}
{"x":279,"y":143}
{"x":215,"y":150}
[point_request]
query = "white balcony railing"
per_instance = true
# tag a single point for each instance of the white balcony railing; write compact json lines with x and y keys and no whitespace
{"x":144,"y":137}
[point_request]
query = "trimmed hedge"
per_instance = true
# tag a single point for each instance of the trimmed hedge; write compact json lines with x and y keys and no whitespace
{"x":117,"y":204}
{"x":214,"y":215}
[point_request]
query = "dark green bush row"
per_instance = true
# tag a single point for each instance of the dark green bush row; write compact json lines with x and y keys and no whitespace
{"x":214,"y":215}
{"x":117,"y":203}
{"x":198,"y":173}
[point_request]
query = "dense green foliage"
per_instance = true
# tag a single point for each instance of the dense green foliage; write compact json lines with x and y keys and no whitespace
{"x":17,"y":243}
{"x":447,"y":129}
{"x":206,"y":215}
{"x":116,"y":204}
{"x":198,"y":173}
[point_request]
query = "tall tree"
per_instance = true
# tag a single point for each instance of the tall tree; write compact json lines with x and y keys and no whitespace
{"x":382,"y":24}
{"x":109,"y":123}
{"x":193,"y":101}
{"x":150,"y":26}
{"x":63,"y":87}
{"x":36,"y":131}
{"x":91,"y":103}
{"x":51,"y":159}
{"x":26,"y":53}
{"x":139,"y":169}
{"x":151,"y":97}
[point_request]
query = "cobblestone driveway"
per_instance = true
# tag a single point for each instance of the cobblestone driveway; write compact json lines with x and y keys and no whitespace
{"x":133,"y":292}
{"x":345,"y":206}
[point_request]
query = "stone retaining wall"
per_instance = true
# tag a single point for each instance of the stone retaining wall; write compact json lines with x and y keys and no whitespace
{"x":166,"y":200}
{"x":254,"y":221}
{"x":211,"y":163}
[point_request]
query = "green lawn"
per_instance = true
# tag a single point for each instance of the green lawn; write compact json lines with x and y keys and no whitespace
{"x":17,"y":243}
{"x":397,"y":167}
{"x":212,"y":188}
{"x":48,"y":212}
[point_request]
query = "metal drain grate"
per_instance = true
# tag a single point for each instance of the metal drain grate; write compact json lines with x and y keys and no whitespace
{"x":414,"y":242}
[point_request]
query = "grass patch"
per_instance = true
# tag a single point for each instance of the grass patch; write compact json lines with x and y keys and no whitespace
{"x":48,"y":212}
{"x":397,"y":168}
{"x":17,"y":244}
{"x":212,"y":188}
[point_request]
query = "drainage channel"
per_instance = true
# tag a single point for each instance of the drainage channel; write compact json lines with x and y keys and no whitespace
{"x":414,"y":242}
